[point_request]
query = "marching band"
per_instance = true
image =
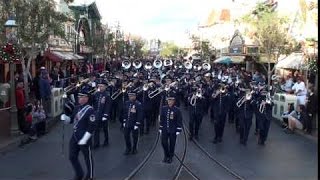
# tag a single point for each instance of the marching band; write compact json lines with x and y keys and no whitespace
{"x":148,"y":92}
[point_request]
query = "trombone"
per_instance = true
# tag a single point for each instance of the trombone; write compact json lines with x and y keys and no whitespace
{"x":244,"y":98}
{"x":116,"y":94}
{"x":159,"y":90}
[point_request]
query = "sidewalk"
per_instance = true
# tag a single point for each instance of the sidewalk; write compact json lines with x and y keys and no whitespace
{"x":313,"y":136}
{"x":12,"y":142}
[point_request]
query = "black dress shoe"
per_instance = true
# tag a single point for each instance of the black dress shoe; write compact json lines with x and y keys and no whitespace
{"x":165,"y":159}
{"x":106,"y":143}
{"x":169,"y":160}
{"x":256,"y":132}
{"x":95,"y":146}
{"x":134,"y":151}
{"x":196,"y":137}
{"x":127,"y":152}
{"x":77,"y":178}
{"x":219,"y":140}
{"x":88,"y":178}
{"x":190,"y":138}
{"x":215,"y":141}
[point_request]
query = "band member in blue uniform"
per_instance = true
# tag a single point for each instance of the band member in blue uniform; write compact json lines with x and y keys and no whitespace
{"x":101,"y":105}
{"x":84,"y":122}
{"x":170,"y":127}
{"x":196,"y":111}
{"x":265,"y":110}
{"x":220,"y":108}
{"x":132,"y":116}
{"x":246,"y":108}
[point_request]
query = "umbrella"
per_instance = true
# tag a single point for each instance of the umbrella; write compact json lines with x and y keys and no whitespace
{"x":223,"y":60}
{"x":293,"y":61}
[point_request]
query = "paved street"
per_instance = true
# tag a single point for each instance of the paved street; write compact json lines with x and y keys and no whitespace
{"x":284,"y":157}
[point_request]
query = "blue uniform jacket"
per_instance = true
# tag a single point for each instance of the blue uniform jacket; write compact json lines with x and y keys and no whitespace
{"x":132,"y":114}
{"x":199,"y":107}
{"x":170,"y":120}
{"x":83,"y":120}
{"x":221,"y":104}
{"x":101,"y":105}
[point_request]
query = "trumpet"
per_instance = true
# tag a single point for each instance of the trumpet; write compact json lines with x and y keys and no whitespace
{"x":116,"y":94}
{"x":215,"y":94}
{"x":263,"y":103}
{"x":193,"y":99}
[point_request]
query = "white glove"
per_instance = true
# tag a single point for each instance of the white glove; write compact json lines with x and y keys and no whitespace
{"x":160,"y":131}
{"x":135,"y":127}
{"x":177,"y":133}
{"x":104,"y":119}
{"x":124,"y":124}
{"x":66,"y":119}
{"x":84,"y":139}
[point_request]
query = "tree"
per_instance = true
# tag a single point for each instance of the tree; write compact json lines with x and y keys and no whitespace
{"x":136,"y":46}
{"x":269,"y":29}
{"x":169,"y":49}
{"x":37,"y":20}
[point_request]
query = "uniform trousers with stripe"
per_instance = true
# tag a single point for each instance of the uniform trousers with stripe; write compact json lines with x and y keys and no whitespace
{"x":135,"y":137}
{"x":74,"y":150}
{"x":168,"y":141}
{"x":219,"y":123}
{"x":264,"y":127}
{"x":101,"y":125}
{"x":245,"y":125}
{"x":194,"y":123}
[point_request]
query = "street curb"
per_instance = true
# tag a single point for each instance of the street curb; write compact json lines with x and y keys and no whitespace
{"x":15,"y":141}
{"x":299,"y":132}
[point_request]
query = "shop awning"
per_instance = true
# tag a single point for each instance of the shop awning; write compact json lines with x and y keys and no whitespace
{"x":293,"y":61}
{"x":229,"y":59}
{"x":58,"y":56}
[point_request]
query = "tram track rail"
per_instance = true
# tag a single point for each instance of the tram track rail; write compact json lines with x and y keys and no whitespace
{"x":213,"y":159}
{"x":145,"y":160}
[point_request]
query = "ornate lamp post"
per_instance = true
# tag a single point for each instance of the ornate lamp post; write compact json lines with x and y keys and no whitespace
{"x":10,"y":54}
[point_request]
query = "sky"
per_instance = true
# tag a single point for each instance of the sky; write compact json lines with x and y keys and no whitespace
{"x":168,"y":20}
{"x":163,"y":19}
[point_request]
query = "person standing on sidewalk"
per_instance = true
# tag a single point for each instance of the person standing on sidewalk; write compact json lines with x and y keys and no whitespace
{"x":20,"y":101}
{"x":312,"y":106}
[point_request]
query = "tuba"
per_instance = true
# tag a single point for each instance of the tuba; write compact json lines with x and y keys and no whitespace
{"x":167,"y":62}
{"x":157,"y":63}
{"x":197,"y":67}
{"x":147,"y":66}
{"x":206,"y":66}
{"x":188,"y":65}
{"x":137,"y":64}
{"x":126,"y":64}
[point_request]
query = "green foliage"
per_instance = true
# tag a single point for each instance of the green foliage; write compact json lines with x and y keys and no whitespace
{"x":169,"y":49}
{"x":37,"y":20}
{"x":270,"y":30}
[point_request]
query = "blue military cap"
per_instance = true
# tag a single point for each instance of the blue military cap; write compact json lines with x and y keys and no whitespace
{"x":170,"y":96}
{"x":131,"y":92}
{"x":261,"y":83}
{"x":102,"y":81}
{"x":84,"y":91}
